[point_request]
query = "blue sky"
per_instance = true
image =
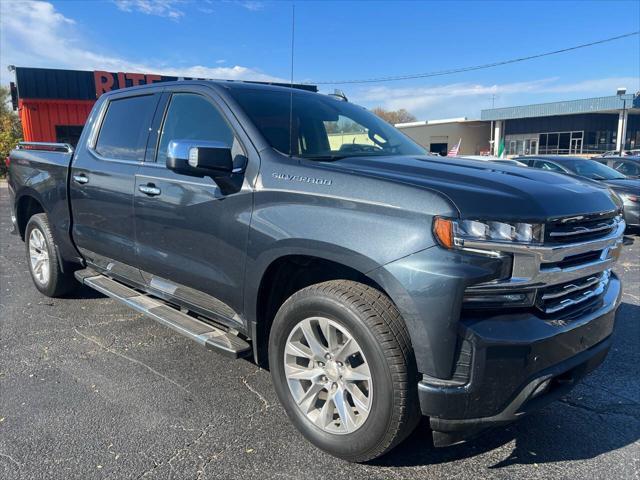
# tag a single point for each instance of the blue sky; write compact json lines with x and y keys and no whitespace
{"x":343,"y":40}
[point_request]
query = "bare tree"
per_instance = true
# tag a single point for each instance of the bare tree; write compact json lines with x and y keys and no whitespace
{"x":394,"y":116}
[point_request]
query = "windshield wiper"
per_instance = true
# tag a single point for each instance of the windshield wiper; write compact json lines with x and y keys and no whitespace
{"x":324,"y":157}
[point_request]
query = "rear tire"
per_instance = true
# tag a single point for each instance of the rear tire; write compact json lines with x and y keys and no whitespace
{"x":360,"y":366}
{"x":42,"y":257}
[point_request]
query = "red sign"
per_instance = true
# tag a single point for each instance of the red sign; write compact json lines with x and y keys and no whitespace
{"x":107,"y":81}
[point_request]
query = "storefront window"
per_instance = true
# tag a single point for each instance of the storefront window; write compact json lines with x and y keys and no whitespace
{"x":588,"y":133}
{"x":521,"y":144}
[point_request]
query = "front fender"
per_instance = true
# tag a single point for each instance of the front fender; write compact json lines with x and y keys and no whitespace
{"x":317,"y":221}
{"x":427,"y":287}
{"x":314,"y":209}
{"x":258,"y":266}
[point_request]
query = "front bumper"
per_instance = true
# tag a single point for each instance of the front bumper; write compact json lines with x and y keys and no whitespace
{"x":518,"y":363}
{"x":484,"y":367}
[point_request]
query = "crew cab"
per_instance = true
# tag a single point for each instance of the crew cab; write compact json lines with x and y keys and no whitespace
{"x":376,"y":282}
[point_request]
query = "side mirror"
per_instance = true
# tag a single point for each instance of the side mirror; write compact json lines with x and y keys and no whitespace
{"x":199,"y":158}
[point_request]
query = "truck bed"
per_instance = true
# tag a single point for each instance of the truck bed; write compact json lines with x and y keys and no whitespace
{"x":40,"y":171}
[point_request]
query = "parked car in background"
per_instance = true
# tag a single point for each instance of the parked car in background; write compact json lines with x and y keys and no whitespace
{"x":504,"y":161}
{"x":616,"y":153}
{"x":629,"y":165}
{"x":628,"y":189}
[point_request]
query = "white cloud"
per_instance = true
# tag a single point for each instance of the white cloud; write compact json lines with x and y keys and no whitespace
{"x":34,"y":34}
{"x":160,"y":8}
{"x":467,"y":99}
{"x":207,"y":6}
{"x":252,"y":5}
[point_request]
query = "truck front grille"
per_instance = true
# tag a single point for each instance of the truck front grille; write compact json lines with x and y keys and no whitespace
{"x":559,"y":277}
{"x":560,"y":297}
{"x":581,"y":228}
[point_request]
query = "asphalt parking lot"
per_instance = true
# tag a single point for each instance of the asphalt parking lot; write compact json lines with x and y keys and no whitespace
{"x":90,"y":389}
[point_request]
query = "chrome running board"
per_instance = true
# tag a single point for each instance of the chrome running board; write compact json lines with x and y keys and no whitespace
{"x":205,"y":334}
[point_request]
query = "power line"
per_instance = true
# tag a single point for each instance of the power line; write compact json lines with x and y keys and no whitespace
{"x":475,"y":67}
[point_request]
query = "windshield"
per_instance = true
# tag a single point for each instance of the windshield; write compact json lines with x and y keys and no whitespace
{"x":323,"y":127}
{"x":592,"y":169}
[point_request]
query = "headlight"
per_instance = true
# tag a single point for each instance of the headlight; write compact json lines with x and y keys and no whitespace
{"x":453,"y":233}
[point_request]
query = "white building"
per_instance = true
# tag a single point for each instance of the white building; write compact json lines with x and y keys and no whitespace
{"x":438,"y":136}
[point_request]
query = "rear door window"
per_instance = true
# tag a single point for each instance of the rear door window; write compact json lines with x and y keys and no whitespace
{"x":125,"y":128}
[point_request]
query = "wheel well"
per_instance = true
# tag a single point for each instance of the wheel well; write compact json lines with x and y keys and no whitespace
{"x":283,"y":278}
{"x":27,"y":208}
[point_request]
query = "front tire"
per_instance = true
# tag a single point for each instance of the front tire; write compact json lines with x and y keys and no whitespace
{"x":344,"y":370}
{"x":42,"y":257}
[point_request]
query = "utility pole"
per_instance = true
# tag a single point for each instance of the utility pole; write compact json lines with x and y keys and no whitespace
{"x":623,"y":134}
{"x":623,"y":140}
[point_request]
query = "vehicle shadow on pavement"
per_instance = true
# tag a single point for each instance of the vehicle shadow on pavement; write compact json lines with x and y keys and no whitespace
{"x":83,"y":292}
{"x":592,"y":420}
{"x":532,"y":444}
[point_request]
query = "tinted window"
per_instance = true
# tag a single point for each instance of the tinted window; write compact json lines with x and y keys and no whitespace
{"x":552,"y":143}
{"x":125,"y":128}
{"x":192,"y":117}
{"x":592,"y":169}
{"x":627,"y":168}
{"x":68,"y":134}
{"x":544,"y":165}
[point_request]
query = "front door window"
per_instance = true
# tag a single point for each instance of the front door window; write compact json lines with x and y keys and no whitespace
{"x":193,"y":117}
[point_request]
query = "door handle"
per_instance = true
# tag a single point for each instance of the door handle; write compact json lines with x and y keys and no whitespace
{"x":81,"y":179}
{"x":149,"y":189}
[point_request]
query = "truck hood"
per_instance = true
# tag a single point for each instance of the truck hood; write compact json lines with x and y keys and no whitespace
{"x":489,"y":190}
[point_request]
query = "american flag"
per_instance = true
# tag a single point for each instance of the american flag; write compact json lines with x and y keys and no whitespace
{"x":454,"y":150}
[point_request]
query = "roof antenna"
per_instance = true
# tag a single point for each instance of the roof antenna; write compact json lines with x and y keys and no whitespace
{"x":293,"y":30}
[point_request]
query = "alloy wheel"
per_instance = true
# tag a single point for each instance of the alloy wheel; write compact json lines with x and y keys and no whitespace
{"x":328,"y":375}
{"x":39,"y":256}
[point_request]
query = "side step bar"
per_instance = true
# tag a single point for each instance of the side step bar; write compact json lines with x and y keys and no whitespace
{"x":211,"y":337}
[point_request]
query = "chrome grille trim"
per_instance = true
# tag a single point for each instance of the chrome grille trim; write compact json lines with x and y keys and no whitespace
{"x":580,"y":230}
{"x":572,"y":287}
{"x":582,"y":227}
{"x":578,"y":295}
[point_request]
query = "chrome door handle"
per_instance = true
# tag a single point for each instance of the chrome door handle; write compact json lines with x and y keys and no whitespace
{"x":149,"y":189}
{"x":82,"y":179}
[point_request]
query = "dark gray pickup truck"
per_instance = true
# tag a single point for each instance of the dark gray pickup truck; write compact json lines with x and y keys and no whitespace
{"x":376,"y":282}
